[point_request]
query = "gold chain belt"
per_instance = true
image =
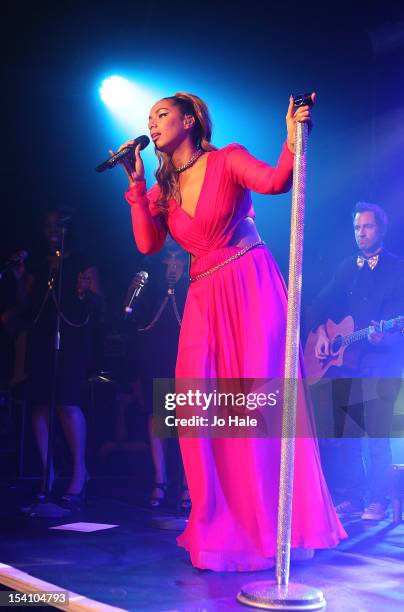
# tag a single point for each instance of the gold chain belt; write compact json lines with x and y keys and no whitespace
{"x":227,"y":261}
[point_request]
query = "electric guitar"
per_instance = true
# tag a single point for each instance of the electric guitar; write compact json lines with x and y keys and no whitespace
{"x":341,"y":335}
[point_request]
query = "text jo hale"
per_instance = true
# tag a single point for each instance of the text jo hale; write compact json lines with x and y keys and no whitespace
{"x":199,"y":421}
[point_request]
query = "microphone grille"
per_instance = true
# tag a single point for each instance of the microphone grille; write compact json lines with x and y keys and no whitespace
{"x":142,"y":276}
{"x":143,"y":141}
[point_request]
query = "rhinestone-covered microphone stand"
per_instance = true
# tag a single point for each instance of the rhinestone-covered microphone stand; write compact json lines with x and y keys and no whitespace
{"x":283,"y":595}
{"x":291,"y":357}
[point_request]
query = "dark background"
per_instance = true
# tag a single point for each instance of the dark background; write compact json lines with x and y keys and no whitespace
{"x":245,"y":62}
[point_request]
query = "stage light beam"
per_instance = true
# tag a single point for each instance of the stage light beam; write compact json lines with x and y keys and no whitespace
{"x":128,"y":101}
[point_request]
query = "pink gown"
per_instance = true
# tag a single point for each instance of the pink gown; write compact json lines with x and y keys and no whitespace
{"x":234,"y":327}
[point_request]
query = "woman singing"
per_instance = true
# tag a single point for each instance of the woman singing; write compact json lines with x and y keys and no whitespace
{"x":234,"y":326}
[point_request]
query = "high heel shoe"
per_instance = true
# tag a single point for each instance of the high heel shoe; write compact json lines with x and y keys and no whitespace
{"x":74,"y":500}
{"x":40,"y":497}
{"x":158,"y":502}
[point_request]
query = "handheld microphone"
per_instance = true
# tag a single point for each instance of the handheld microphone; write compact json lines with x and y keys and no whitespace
{"x":143,"y":141}
{"x":303,"y":100}
{"x":136,"y":287}
{"x":16,"y":258}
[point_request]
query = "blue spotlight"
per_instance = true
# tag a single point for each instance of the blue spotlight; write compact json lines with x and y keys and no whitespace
{"x":128,"y":101}
{"x":117,"y":92}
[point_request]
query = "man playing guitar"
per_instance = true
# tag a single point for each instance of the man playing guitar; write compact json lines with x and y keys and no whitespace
{"x":370,"y":288}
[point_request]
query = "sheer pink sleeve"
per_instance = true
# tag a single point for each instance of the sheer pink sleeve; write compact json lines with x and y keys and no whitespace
{"x":251,"y":173}
{"x":149,"y":226}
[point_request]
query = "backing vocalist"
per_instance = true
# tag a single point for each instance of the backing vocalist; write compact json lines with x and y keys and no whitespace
{"x":80,"y":309}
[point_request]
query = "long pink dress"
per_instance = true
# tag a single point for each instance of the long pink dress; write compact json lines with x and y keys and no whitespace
{"x":234,"y":327}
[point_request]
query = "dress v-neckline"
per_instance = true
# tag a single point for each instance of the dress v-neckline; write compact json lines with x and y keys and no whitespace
{"x":192,"y":217}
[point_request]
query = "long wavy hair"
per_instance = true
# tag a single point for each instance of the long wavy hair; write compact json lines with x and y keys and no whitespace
{"x":167,"y":177}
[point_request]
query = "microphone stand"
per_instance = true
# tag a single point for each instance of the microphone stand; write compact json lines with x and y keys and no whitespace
{"x":283,"y":594}
{"x":46,"y":508}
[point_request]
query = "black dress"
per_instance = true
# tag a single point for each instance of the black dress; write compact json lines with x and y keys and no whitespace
{"x":78,"y":334}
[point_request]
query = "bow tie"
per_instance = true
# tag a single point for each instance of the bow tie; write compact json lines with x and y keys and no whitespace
{"x":371,"y":261}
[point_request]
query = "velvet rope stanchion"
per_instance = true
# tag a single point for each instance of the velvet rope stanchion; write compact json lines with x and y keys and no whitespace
{"x":283,"y":595}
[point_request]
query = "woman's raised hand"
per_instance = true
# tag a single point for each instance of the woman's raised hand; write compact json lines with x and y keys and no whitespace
{"x":134,"y":173}
{"x":300,"y":115}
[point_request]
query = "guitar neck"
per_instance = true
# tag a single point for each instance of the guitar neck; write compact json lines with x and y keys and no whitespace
{"x":361,"y":334}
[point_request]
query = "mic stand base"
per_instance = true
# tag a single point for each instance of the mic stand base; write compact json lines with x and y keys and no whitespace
{"x":47,"y":509}
{"x":267,"y":595}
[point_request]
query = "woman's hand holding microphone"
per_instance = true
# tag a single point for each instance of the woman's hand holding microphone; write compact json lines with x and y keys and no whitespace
{"x":135,"y":173}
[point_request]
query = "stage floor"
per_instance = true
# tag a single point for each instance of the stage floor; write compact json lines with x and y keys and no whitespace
{"x":135,"y":566}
